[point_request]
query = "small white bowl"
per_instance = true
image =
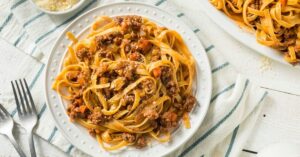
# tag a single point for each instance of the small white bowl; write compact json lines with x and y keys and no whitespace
{"x":61,"y":12}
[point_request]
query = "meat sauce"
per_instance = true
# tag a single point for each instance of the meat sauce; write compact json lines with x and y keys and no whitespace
{"x":132,"y":36}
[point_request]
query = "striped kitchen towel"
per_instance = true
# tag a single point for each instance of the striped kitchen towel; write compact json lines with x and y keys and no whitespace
{"x":235,"y":103}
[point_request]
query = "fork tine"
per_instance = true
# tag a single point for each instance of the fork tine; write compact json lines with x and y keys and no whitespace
{"x":25,"y":97}
{"x":21,"y":98}
{"x":30,"y":96}
{"x":16,"y":98}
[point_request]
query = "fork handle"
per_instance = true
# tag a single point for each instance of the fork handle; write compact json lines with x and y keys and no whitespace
{"x":15,"y":144}
{"x":31,"y":145}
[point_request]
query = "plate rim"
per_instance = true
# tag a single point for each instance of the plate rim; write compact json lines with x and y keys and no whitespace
{"x":47,"y":95}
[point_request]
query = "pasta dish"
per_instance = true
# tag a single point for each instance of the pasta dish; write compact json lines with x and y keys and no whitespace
{"x":128,"y":81}
{"x":275,"y":22}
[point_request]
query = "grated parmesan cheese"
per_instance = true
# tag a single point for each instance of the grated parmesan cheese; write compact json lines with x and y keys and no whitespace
{"x":56,"y":5}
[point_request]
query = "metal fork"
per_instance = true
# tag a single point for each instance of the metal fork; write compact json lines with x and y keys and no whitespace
{"x":26,"y":109}
{"x":6,"y":127}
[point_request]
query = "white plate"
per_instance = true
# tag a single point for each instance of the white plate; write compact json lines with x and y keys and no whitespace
{"x":78,"y":135}
{"x":247,"y":38}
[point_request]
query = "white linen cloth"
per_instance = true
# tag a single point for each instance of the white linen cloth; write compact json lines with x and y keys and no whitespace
{"x":235,"y":104}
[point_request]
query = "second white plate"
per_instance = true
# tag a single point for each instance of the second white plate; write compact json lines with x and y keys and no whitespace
{"x":239,"y":34}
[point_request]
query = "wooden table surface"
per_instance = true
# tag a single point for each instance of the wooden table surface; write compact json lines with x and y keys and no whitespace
{"x":280,"y":118}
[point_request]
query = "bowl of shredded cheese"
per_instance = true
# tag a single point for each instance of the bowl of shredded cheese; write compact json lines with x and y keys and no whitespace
{"x":58,"y":7}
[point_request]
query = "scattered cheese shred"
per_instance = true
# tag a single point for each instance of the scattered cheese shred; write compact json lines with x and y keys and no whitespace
{"x":265,"y":64}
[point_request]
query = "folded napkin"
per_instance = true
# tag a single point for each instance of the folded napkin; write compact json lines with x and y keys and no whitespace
{"x":235,"y":103}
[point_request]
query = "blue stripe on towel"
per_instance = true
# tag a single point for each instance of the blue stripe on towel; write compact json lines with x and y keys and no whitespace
{"x":65,"y":22}
{"x":34,"y":48}
{"x":209,"y":48}
{"x":220,"y":67}
{"x":210,"y":131}
{"x":196,"y":30}
{"x":13,"y":113}
{"x":6,"y":21}
{"x":52,"y":134}
{"x":42,"y":111}
{"x":221,"y":92}
{"x":263,"y":97}
{"x":180,"y":15}
{"x":159,"y":2}
{"x":9,"y":17}
{"x":19,"y":39}
{"x":37,"y":76}
{"x":70,"y":149}
{"x":232,"y":141}
{"x":32,"y":19}
{"x":14,"y":6}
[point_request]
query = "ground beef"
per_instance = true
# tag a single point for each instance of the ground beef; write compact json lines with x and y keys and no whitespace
{"x":134,"y":36}
{"x":130,"y":138}
{"x":150,"y":113}
{"x":129,"y":72}
{"x":141,"y":142}
{"x":178,"y":106}
{"x":169,"y":119}
{"x":118,"y":40}
{"x":143,"y":46}
{"x":107,"y":93}
{"x":186,"y":105}
{"x":83,"y":77}
{"x":256,"y":4}
{"x":143,"y":31}
{"x":93,"y":132}
{"x":106,"y":39}
{"x":168,"y":81}
{"x":73,"y":109}
{"x":129,"y":23}
{"x":153,"y":123}
{"x":171,"y":88}
{"x":129,"y":99}
{"x":155,"y":55}
{"x":289,"y":37}
{"x":73,"y":76}
{"x":135,"y":56}
{"x":129,"y":107}
{"x":106,"y":54}
{"x":167,"y":75}
{"x":126,"y":70}
{"x":84,"y":54}
{"x":103,"y":67}
{"x":97,"y":118}
{"x":78,"y":95}
{"x":189,"y":103}
{"x":127,"y":48}
{"x":139,"y":118}
{"x":297,"y":48}
{"x":147,"y":85}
